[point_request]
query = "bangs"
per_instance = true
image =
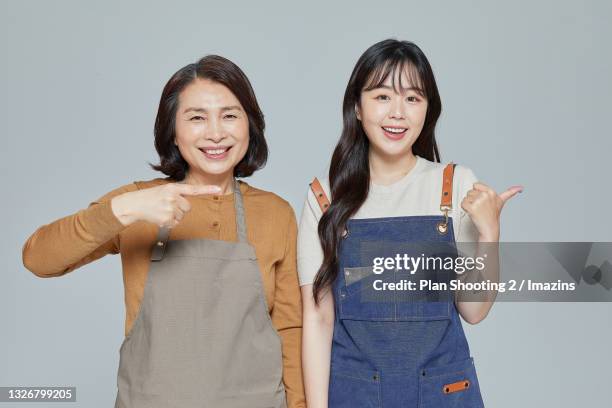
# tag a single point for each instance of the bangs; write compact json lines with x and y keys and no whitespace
{"x":394,"y":67}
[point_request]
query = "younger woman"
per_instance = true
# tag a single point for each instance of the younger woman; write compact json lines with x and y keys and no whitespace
{"x":386,"y":188}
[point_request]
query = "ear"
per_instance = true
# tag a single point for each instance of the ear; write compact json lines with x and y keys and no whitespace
{"x":175,"y":142}
{"x":357,"y":112}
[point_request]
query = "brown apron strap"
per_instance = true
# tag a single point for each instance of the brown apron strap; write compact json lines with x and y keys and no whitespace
{"x":322,"y":199}
{"x":446,"y":202}
{"x":163,"y":233}
{"x":240,"y":218}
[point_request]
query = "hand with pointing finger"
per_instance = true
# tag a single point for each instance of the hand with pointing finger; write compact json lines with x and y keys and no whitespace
{"x":484,"y":206}
{"x":163,"y":205}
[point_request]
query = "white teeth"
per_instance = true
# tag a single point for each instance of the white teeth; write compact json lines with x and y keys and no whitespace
{"x":395,"y":130}
{"x":215,"y":151}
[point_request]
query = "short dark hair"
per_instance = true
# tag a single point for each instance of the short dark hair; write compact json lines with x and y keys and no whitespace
{"x":225,"y":72}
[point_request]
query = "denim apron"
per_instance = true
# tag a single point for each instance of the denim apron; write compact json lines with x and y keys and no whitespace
{"x":203,"y":336}
{"x":394,"y":349}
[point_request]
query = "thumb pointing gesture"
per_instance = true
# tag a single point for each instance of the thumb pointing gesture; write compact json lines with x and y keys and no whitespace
{"x":509,"y":193}
{"x":484,"y":206}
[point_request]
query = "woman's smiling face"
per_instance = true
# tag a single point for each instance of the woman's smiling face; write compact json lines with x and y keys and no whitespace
{"x":392,"y":117}
{"x":212,"y":128}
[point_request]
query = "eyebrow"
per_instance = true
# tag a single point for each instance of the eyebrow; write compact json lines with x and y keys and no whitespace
{"x":223,"y":109}
{"x":412,"y":88}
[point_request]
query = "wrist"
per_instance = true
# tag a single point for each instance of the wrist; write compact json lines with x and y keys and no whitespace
{"x":122,"y":210}
{"x":489,"y":236}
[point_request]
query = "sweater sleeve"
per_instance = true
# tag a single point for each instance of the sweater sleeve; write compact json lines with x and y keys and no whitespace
{"x":287,"y":317}
{"x":70,"y":242}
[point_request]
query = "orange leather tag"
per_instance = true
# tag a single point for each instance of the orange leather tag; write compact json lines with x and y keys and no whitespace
{"x":457,"y":386}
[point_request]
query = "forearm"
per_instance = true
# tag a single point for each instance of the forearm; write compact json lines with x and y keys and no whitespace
{"x":476,"y":306}
{"x":318,"y":328}
{"x":316,"y":357}
{"x":69,"y":242}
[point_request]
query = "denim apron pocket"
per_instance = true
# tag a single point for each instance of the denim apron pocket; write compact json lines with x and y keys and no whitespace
{"x":358,"y":278}
{"x":351,"y":387}
{"x":365,"y":295}
{"x":452,"y":385}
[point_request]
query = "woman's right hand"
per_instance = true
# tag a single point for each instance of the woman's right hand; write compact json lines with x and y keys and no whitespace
{"x":162,"y":205}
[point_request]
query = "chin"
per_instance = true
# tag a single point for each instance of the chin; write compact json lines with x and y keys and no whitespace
{"x":217,"y":172}
{"x":214,"y":170}
{"x":393,"y":151}
{"x":396,"y":154}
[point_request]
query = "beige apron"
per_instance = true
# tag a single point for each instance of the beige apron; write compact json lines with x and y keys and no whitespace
{"x":203,"y":336}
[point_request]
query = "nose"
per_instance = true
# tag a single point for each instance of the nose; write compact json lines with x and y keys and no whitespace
{"x":215,"y":132}
{"x":397,"y":109}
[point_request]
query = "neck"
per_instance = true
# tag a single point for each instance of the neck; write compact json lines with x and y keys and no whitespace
{"x":224,"y":181}
{"x":385,"y":170}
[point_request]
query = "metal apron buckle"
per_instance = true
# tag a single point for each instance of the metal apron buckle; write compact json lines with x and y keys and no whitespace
{"x":442,"y":226}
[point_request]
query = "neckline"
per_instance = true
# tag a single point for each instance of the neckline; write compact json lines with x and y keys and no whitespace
{"x":405,"y":180}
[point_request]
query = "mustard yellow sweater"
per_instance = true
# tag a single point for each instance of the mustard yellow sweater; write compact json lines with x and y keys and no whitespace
{"x":75,"y":240}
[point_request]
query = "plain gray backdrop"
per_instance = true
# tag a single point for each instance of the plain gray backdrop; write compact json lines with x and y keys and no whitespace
{"x":525,"y":88}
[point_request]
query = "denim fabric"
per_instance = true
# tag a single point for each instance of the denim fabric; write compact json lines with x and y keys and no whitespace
{"x":396,"y":348}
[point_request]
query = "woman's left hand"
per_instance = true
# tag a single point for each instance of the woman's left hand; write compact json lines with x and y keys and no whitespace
{"x":484,"y":206}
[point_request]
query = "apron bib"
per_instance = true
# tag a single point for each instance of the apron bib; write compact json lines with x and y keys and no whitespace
{"x":203,"y":336}
{"x":398,"y":349}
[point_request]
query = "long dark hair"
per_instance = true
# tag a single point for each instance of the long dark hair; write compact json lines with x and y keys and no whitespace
{"x":224,"y":72}
{"x":349,"y":171}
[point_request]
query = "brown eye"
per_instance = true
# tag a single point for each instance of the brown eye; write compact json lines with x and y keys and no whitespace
{"x":382,"y":98}
{"x":194,"y":118}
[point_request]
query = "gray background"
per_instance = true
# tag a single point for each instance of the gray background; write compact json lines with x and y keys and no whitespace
{"x":525,"y":88}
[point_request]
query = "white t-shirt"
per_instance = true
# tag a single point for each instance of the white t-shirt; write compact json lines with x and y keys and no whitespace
{"x":417,"y":193}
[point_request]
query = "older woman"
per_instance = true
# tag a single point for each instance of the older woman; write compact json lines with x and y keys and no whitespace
{"x":213,"y":309}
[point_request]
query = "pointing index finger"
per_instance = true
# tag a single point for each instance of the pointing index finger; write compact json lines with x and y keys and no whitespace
{"x":188,"y":189}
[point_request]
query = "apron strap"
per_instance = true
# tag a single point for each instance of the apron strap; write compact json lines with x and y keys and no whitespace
{"x":240,"y":219}
{"x":319,"y":194}
{"x":160,"y":244}
{"x":446,"y":202}
{"x":163,"y":233}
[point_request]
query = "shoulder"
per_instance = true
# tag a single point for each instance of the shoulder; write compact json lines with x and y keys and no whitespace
{"x":462,"y":175}
{"x":269,"y":202}
{"x":465,"y":177}
{"x":463,"y":180}
{"x":324,"y":183}
{"x":144,"y":184}
{"x":311,"y":200}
